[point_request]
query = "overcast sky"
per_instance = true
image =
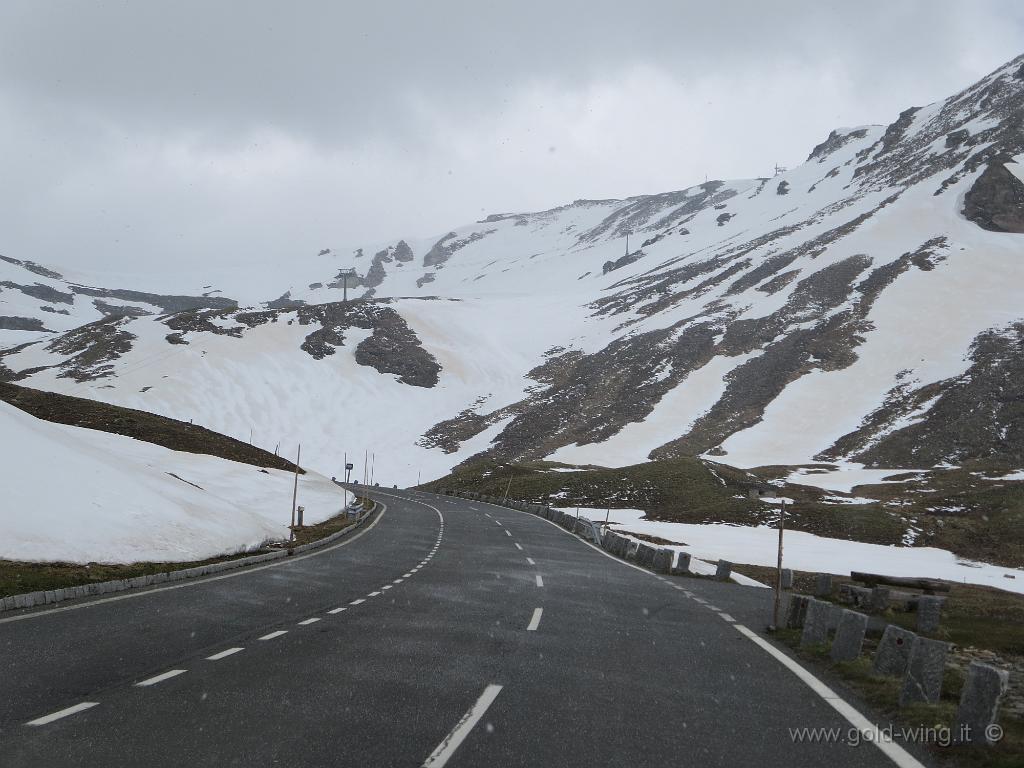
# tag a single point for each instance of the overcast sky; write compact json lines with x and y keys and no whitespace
{"x":214,"y":135}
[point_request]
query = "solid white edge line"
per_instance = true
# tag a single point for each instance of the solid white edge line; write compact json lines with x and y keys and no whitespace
{"x":160,"y":678}
{"x":440,"y":756}
{"x":195,"y":582}
{"x":224,"y":654}
{"x":540,"y":581}
{"x":272,"y":635}
{"x":535,"y":620}
{"x":312,"y":620}
{"x":46,"y":719}
{"x":896,"y":753}
{"x":871,"y":732}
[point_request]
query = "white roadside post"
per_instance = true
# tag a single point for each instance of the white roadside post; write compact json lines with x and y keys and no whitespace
{"x":295,"y":494}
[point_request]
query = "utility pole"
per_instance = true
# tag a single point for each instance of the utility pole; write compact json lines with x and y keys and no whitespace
{"x":778,"y":568}
{"x":373,"y":462}
{"x":295,"y":493}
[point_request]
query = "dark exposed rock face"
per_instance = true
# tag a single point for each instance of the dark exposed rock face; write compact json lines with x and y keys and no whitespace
{"x":31,"y":266}
{"x":93,"y":348}
{"x":284,"y":301}
{"x":782,"y":188}
{"x":115,"y":310}
{"x":443,"y":249}
{"x":40,"y":291}
{"x":996,"y":200}
{"x":8,"y":323}
{"x":169,"y":304}
{"x":392,"y":346}
{"x":976,"y":415}
{"x":835,"y":141}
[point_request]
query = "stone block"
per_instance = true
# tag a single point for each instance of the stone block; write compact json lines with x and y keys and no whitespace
{"x":849,"y":636}
{"x":723,"y":571}
{"x":922,"y":682}
{"x":893,"y":651}
{"x":929,"y":613}
{"x":979,"y":703}
{"x":823,"y":585}
{"x":682,"y":566}
{"x":645,"y":555}
{"x":631,"y":549}
{"x":815,"y":623}
{"x":796,"y":611}
{"x":663,"y":560}
{"x":880,"y":599}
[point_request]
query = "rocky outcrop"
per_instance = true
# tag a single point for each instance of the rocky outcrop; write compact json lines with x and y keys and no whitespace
{"x":996,"y":199}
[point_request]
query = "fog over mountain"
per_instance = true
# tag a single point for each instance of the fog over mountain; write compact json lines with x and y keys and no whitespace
{"x":170,"y":154}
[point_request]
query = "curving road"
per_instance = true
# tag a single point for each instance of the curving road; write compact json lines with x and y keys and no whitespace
{"x":447,"y":632}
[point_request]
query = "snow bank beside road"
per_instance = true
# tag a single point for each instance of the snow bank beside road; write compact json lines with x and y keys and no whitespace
{"x":807,"y":552}
{"x":79,"y":495}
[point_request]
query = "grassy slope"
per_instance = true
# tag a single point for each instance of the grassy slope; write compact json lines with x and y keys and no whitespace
{"x":988,"y":524}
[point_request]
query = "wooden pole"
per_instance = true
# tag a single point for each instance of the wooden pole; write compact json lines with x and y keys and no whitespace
{"x":295,"y":493}
{"x":373,"y":463}
{"x":507,"y":488}
{"x":778,"y":567}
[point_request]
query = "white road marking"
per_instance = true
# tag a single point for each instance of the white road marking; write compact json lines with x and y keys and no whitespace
{"x":498,"y":522}
{"x":312,"y":620}
{"x":407,"y":575}
{"x":338,"y":610}
{"x":727,"y":617}
{"x":540,"y":581}
{"x":508,"y":532}
{"x":373,"y":594}
{"x":357,"y":602}
{"x":535,"y":621}
{"x":63,"y":713}
{"x":224,"y":654}
{"x":161,"y":678}
{"x":870,"y":731}
{"x":440,"y":756}
{"x":398,"y":581}
{"x":519,"y":546}
{"x":386,"y":586}
{"x":714,"y":607}
{"x":530,"y":561}
{"x":700,"y":600}
{"x":272,"y":635}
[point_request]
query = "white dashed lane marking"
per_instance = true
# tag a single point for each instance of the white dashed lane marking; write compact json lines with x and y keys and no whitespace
{"x":312,"y":620}
{"x":535,"y":620}
{"x":46,"y":719}
{"x":272,"y":635}
{"x":338,"y":610}
{"x":357,"y":602}
{"x":160,"y":678}
{"x":519,"y":546}
{"x":530,"y":561}
{"x":727,"y":617}
{"x":224,"y":654}
{"x":373,"y":594}
{"x":540,"y":581}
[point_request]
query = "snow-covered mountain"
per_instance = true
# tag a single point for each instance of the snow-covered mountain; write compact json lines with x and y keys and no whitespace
{"x":866,"y":306}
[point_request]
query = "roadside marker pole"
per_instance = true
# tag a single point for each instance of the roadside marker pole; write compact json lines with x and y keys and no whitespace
{"x":507,"y":488}
{"x":778,"y":567}
{"x":295,"y":493}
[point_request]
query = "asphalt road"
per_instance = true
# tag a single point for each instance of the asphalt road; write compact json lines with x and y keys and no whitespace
{"x":448,"y":632}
